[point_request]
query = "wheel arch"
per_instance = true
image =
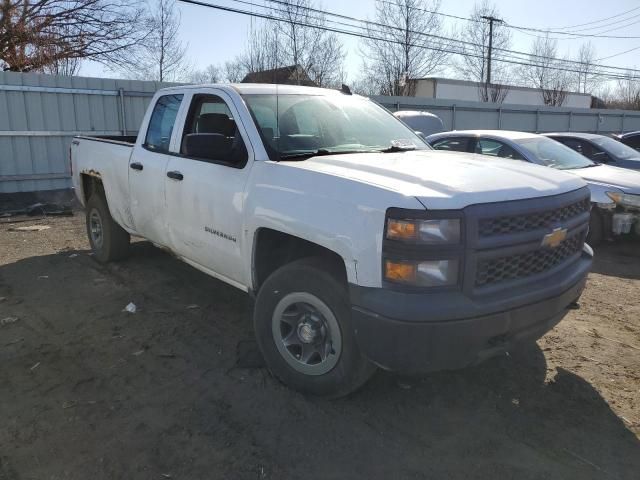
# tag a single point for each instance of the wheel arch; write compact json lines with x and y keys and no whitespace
{"x":274,"y":248}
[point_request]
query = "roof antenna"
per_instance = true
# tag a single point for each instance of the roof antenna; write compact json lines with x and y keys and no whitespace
{"x":345,"y":89}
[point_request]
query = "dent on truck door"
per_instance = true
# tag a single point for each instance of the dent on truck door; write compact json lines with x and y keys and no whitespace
{"x":147,"y":168}
{"x":204,"y":186}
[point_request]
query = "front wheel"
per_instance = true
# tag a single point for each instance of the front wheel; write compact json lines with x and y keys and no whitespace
{"x":596,"y":228}
{"x":302,"y":321}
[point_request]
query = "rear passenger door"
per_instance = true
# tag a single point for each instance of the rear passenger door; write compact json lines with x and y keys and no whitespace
{"x":147,"y":167}
{"x":204,"y":185}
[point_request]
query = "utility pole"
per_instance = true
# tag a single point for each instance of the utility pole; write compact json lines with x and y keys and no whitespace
{"x":490,"y":19}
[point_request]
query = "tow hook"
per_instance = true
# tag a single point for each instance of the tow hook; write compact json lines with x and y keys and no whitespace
{"x":573,"y":306}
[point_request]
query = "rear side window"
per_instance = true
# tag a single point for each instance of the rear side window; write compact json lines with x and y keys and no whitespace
{"x":163,"y":118}
{"x":452,"y":144}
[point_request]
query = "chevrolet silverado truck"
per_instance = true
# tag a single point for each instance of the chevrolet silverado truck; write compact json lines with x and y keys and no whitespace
{"x":361,"y":245}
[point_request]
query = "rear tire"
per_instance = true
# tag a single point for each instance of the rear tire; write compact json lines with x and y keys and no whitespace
{"x":302,"y":322}
{"x":596,"y":228}
{"x":108,"y":240}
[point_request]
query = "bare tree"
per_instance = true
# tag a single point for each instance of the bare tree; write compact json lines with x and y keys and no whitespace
{"x":234,"y":72}
{"x":546,"y":72}
{"x":627,"y":91}
{"x":474,"y":65}
{"x":38,"y":34}
{"x":402,"y":46}
{"x":162,"y":55}
{"x":586,"y":78}
{"x":300,"y":40}
{"x":210,"y":74}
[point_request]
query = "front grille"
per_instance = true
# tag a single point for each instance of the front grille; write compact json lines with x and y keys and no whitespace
{"x":525,"y":222}
{"x":512,"y":267}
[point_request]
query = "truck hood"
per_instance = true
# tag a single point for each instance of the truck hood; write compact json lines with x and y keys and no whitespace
{"x":446,"y":180}
{"x":621,"y":178}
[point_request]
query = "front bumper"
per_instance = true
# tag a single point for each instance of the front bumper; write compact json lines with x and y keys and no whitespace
{"x":411,"y":333}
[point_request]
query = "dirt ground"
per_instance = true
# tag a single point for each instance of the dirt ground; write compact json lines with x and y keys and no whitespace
{"x":88,"y":391}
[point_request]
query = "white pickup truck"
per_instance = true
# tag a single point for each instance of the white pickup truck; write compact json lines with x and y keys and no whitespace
{"x":363,"y":247}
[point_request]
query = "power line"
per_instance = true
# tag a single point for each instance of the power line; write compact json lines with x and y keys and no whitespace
{"x":597,"y":21}
{"x":505,"y":59}
{"x":507,"y":52}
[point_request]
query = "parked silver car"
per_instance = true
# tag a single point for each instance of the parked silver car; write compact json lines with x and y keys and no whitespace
{"x":423,"y":123}
{"x":615,"y":192}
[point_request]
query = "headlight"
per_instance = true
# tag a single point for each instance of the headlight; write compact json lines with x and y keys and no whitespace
{"x":427,"y":273}
{"x":625,"y":199}
{"x":432,"y":231}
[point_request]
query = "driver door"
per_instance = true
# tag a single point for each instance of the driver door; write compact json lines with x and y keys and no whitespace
{"x":204,"y":187}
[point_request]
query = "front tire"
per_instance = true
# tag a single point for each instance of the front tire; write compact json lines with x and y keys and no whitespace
{"x":302,"y":321}
{"x":108,"y":240}
{"x":596,"y":228}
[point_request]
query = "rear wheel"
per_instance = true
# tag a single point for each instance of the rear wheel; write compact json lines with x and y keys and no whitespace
{"x":108,"y":240}
{"x":303,"y":327}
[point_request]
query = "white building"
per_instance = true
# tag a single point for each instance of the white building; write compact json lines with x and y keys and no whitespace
{"x":463,"y":90}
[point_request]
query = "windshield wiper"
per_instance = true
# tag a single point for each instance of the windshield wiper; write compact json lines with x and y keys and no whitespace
{"x":321,"y":152}
{"x":397,"y":148}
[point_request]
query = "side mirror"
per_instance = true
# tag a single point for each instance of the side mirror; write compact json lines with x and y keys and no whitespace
{"x":208,"y":146}
{"x":420,"y":134}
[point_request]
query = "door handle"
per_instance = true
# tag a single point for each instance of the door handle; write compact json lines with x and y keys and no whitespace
{"x":175,"y":175}
{"x":136,"y":166}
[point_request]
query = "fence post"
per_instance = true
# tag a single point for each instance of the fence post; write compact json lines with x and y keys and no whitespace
{"x":537,"y":120}
{"x":397,"y":106}
{"x":570,"y":120}
{"x":623,"y":117}
{"x":598,"y":117}
{"x":500,"y":118}
{"x":453,"y":116}
{"x":122,"y":111}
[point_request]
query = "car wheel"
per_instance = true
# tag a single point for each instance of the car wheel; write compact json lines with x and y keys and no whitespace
{"x":302,"y":322}
{"x":108,"y":240}
{"x":596,"y":228}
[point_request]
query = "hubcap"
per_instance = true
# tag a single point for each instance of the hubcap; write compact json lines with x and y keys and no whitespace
{"x":95,"y":228}
{"x":306,"y":333}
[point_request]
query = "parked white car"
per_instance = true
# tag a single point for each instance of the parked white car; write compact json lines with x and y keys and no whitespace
{"x":615,"y":192}
{"x":362,"y":245}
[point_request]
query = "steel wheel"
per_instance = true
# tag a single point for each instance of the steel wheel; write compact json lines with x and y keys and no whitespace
{"x":95,"y":228}
{"x":306,"y":333}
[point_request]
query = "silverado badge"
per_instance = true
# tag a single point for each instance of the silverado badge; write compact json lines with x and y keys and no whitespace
{"x":555,"y":238}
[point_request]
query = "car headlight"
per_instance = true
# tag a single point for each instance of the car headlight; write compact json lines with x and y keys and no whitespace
{"x":430,"y":231}
{"x":625,"y":199}
{"x":427,"y":273}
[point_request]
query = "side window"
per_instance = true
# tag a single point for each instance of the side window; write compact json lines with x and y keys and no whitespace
{"x":459,"y":144}
{"x":597,"y":154}
{"x":573,"y":144}
{"x":161,"y":123}
{"x":211,"y":134}
{"x":633,"y":142}
{"x":494,"y":148}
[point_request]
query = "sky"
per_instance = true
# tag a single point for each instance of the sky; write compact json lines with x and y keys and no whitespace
{"x":214,"y":36}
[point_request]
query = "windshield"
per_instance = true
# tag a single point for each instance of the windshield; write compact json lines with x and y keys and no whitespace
{"x":617,"y":149}
{"x":309,"y":124}
{"x":551,"y":153}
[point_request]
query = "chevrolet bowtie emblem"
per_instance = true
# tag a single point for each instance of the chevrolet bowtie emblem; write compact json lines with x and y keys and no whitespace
{"x":555,"y":238}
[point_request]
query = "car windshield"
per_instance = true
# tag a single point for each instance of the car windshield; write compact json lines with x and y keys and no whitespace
{"x":295,"y":126}
{"x":553,"y":154}
{"x":617,"y":149}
